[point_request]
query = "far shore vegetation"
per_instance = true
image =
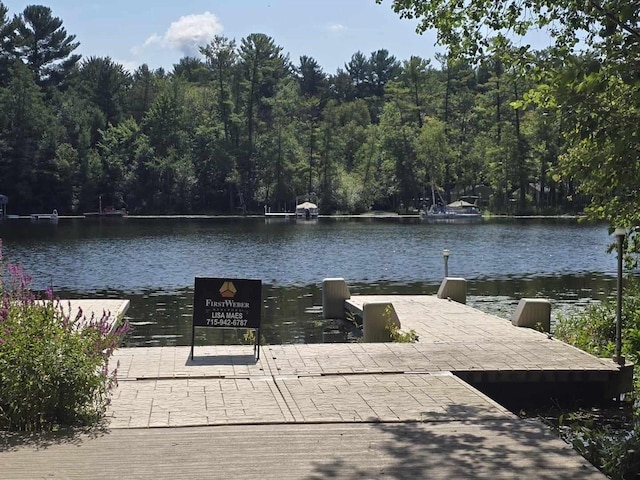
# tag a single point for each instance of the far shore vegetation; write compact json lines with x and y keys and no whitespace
{"x":243,"y":127}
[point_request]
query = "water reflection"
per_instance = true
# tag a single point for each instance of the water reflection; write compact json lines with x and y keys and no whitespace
{"x":293,"y":314}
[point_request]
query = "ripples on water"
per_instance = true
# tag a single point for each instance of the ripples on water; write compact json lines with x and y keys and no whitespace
{"x":153,"y":263}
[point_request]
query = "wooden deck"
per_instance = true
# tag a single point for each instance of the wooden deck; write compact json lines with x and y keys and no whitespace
{"x":327,"y":410}
{"x":492,"y":449}
{"x":481,"y":347}
{"x":95,"y":309}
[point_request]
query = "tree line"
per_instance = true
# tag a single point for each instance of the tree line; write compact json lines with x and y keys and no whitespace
{"x":244,"y":127}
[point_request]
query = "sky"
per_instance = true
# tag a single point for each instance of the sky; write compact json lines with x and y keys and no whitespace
{"x":160,"y":32}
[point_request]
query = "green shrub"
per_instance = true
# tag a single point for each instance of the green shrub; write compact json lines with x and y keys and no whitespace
{"x":398,"y":336}
{"x":594,"y":329}
{"x":604,"y":438}
{"x":54,"y":367}
{"x":395,"y":334}
{"x":616,"y":451}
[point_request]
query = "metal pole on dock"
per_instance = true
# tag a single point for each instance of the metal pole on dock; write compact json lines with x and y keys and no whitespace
{"x":618,"y":358}
{"x":445,"y":255}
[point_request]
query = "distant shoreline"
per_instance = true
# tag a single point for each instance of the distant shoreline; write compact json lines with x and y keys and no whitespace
{"x":287,"y":214}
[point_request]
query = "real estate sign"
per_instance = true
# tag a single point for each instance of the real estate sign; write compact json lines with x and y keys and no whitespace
{"x":227,"y":303}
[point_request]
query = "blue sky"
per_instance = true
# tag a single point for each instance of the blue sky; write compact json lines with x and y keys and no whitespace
{"x":160,"y":32}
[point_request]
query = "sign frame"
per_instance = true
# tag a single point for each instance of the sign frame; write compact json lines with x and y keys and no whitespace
{"x":227,"y":303}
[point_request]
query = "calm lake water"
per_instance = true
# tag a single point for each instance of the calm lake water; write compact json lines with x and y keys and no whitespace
{"x":153,"y":263}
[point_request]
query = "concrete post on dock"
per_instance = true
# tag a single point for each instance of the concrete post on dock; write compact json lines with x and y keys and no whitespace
{"x":453,"y":289}
{"x":533,"y":313}
{"x":334,"y":292}
{"x":378,"y":318}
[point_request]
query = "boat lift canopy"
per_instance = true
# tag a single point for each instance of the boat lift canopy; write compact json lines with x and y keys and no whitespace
{"x":308,"y":205}
{"x":461,"y":203}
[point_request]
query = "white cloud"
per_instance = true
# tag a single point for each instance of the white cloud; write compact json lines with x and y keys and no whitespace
{"x":193,"y":31}
{"x":152,"y":40}
{"x":337,"y":28}
{"x":186,"y":34}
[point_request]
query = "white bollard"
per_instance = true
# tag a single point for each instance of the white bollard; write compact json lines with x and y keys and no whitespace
{"x":377,"y":317}
{"x":334,"y":292}
{"x":533,"y":313}
{"x":454,"y":289}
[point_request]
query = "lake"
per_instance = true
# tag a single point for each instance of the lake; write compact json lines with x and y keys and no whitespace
{"x":153,"y":263}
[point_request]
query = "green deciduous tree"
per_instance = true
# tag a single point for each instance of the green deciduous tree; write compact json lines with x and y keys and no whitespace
{"x":589,"y":77}
{"x":118,"y":151}
{"x":279,"y":149}
{"x":27,"y":140}
{"x":170,"y":168}
{"x":541,"y":128}
{"x":398,"y":145}
{"x":243,"y":126}
{"x":64,"y":178}
{"x":375,"y":173}
{"x":433,"y":153}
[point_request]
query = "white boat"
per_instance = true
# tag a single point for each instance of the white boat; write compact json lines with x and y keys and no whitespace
{"x":307,"y":207}
{"x":458,"y":211}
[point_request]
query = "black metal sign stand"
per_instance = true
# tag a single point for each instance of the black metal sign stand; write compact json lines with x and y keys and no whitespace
{"x":227,"y":303}
{"x":256,"y":344}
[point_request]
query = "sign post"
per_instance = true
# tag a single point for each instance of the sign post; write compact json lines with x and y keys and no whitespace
{"x":227,"y":303}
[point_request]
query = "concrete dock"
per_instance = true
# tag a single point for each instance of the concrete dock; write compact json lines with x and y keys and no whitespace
{"x":354,"y":410}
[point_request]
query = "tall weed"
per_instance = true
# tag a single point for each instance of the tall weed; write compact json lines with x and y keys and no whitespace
{"x":54,"y":366}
